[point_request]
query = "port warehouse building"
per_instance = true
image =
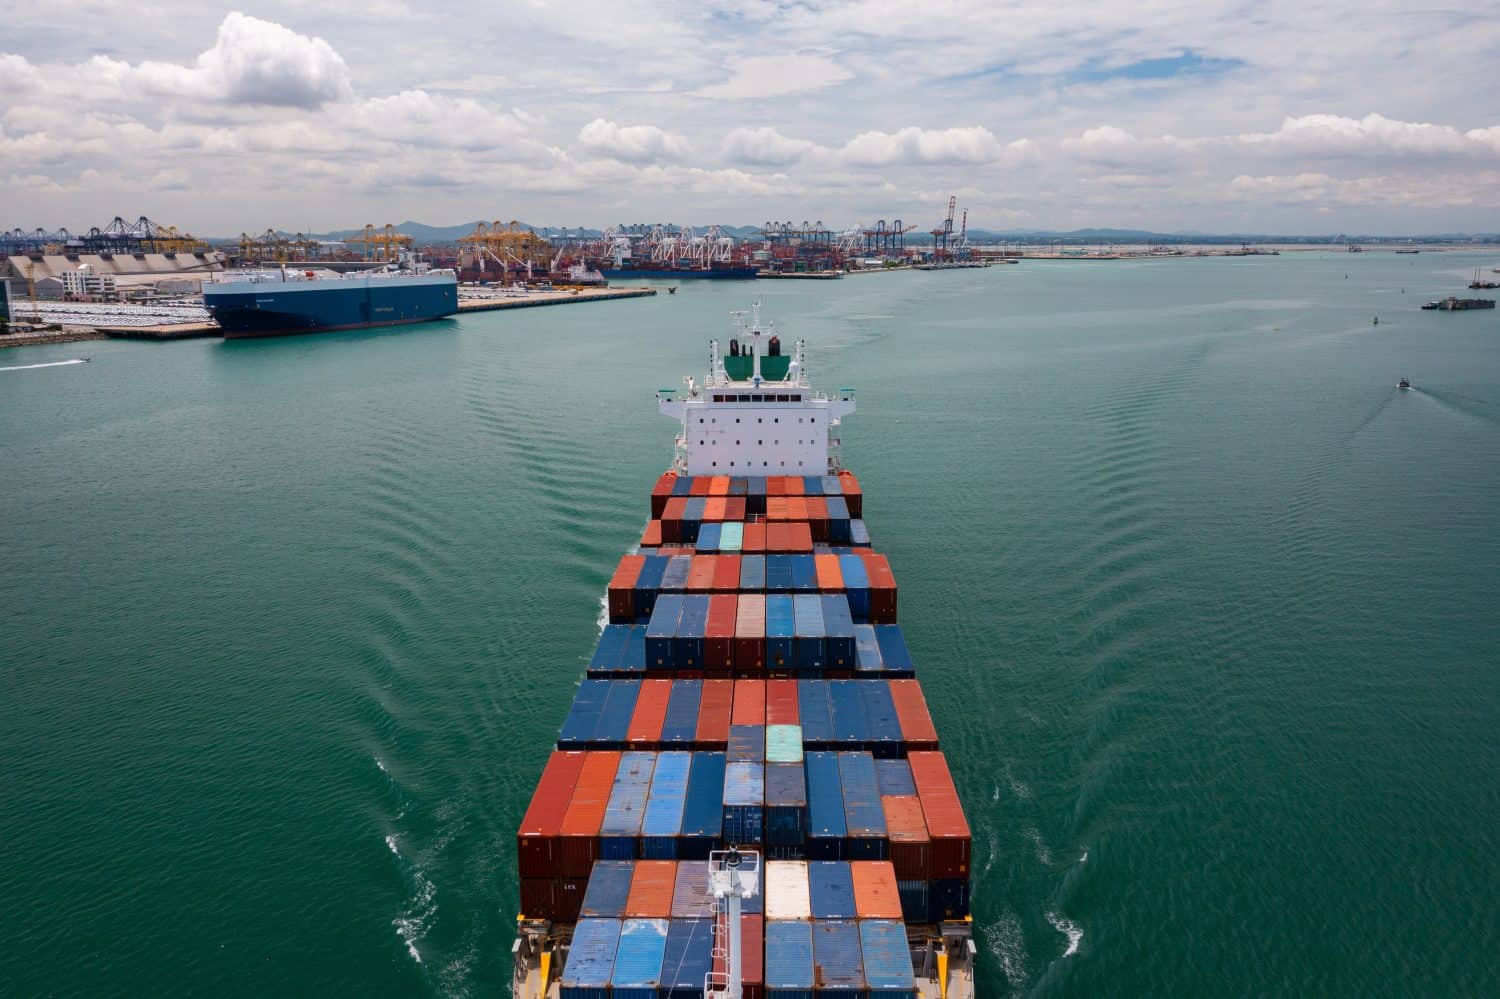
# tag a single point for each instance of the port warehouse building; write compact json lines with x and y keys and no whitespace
{"x":164,"y":273}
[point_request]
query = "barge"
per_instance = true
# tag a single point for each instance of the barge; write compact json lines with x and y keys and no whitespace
{"x":748,"y":798}
{"x":1454,"y":304}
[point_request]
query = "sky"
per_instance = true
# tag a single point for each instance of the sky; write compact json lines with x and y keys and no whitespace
{"x":1212,"y":116}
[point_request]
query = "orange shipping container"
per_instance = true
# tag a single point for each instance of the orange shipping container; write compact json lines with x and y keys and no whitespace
{"x":917,"y":730}
{"x":943,"y":813}
{"x":781,"y":702}
{"x":650,"y":712}
{"x":749,"y":703}
{"x":651,"y":885}
{"x":579,"y":842}
{"x":701,"y":573}
{"x":718,"y":485}
{"x":714,"y":508}
{"x":714,"y":711}
{"x":830,"y":577}
{"x":651,"y":537}
{"x":622,"y":588}
{"x":754,"y":542}
{"x":796,"y":508}
{"x":875,"y":893}
{"x":910,"y":846}
{"x":727,"y":574}
{"x":799,"y":538}
{"x":735,"y":508}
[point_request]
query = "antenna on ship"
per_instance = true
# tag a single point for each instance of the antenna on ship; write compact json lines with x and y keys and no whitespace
{"x":733,"y":875}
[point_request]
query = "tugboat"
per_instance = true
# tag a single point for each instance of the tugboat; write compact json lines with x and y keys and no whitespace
{"x":1403,"y":383}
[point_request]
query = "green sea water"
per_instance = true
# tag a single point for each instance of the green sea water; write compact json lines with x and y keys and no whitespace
{"x":1206,"y":611}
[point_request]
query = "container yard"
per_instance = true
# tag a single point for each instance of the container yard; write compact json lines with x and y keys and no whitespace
{"x":747,"y":796}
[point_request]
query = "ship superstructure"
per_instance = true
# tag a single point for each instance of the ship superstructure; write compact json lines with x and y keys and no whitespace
{"x":748,"y":799}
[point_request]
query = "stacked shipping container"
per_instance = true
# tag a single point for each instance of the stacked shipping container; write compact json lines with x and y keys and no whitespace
{"x":752,"y":687}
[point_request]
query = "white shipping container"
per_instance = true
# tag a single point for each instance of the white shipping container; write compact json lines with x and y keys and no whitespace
{"x":786,"y":890}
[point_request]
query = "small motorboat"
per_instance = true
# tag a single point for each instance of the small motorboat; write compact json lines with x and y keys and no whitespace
{"x":1403,"y":384}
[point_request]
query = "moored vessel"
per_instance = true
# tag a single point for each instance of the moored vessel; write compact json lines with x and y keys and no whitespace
{"x":307,"y":300}
{"x":748,"y":797}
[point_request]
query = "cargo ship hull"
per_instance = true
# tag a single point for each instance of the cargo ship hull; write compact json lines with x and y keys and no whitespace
{"x":280,"y":308}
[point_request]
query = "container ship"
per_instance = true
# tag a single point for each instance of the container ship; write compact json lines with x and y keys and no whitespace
{"x":737,"y":271}
{"x":747,"y":798}
{"x":285,"y":301}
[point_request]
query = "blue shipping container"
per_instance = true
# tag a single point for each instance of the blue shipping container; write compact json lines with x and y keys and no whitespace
{"x":578,"y":727}
{"x":804,"y":573}
{"x":893,"y":650}
{"x":609,"y":887}
{"x":687,"y":647}
{"x":647,"y":584}
{"x":675,"y":579}
{"x":862,"y":809}
{"x":789,"y":959}
{"x":849,"y":726}
{"x":690,"y":895}
{"x":683,"y":486}
{"x":688,"y":958}
{"x":894,"y":778}
{"x":752,"y":573}
{"x":867,"y":650}
{"x":621,"y":829}
{"x":591,"y":959}
{"x":832,"y":486}
{"x":634,"y":659}
{"x":812,"y":485}
{"x":709,"y":536}
{"x":611,"y":648}
{"x":661,"y":631}
{"x":837,"y":963}
{"x":744,"y":803}
{"x":887,"y":959}
{"x":703,"y":807}
{"x":614,"y":716}
{"x":859,"y":535}
{"x":638,"y":959}
{"x":856,"y":585}
{"x":826,"y":828}
{"x":780,"y":632}
{"x":664,"y":805}
{"x":786,"y":804}
{"x":838,"y":627}
{"x":838,"y":520}
{"x":808,"y":622}
{"x":747,"y":744}
{"x":831,"y":888}
{"x":883,"y":725}
{"x":680,"y":726}
{"x":815,"y":714}
{"x":778,"y":573}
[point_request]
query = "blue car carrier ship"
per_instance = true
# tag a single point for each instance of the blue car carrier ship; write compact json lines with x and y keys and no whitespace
{"x":747,"y":799}
{"x":287,"y":300}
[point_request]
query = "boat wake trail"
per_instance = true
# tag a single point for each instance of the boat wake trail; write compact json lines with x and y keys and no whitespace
{"x":1007,"y":944}
{"x":1463,"y":405}
{"x":1067,"y":928}
{"x":421,"y":908}
{"x":46,"y":364}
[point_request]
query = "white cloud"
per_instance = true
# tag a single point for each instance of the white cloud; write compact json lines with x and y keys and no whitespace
{"x":1374,"y":134}
{"x":776,"y":76}
{"x":764,"y":147}
{"x":252,"y":62}
{"x":912,"y":145}
{"x":633,"y":143}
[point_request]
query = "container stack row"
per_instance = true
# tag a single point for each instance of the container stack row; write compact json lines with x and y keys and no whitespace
{"x":756,"y":491}
{"x":643,"y":958}
{"x":764,"y":792}
{"x":888,"y":718}
{"x":863,"y":579}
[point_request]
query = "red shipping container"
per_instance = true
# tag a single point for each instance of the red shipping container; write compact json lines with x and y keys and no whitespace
{"x":713,"y":509}
{"x":776,"y":538}
{"x":776,"y":508}
{"x":906,"y":829}
{"x":796,"y":508}
{"x":749,"y":702}
{"x":661,"y":492}
{"x":791,"y":485}
{"x":755,"y":539}
{"x":701,"y":573}
{"x":875,"y":893}
{"x":579,"y":839}
{"x":567,"y":898}
{"x":714,"y":711}
{"x":781,"y":703}
{"x":799,"y":538}
{"x":622,"y":588}
{"x":917,"y":730}
{"x":650,"y":712}
{"x":775,"y":486}
{"x":718,"y":485}
{"x":853,"y":496}
{"x":651,"y":886}
{"x":718,"y":636}
{"x":701,"y":485}
{"x":671,"y":519}
{"x":536,"y":898}
{"x":750,"y":632}
{"x":651,"y":536}
{"x":734,"y":509}
{"x":943,"y":813}
{"x":727,"y":574}
{"x":817,"y":517}
{"x":752,"y":960}
{"x":536,"y":840}
{"x":830,"y":576}
{"x":882,"y":588}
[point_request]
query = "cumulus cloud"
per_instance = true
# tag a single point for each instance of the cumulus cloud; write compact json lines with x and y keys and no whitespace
{"x":633,"y":143}
{"x":776,"y":76}
{"x":1374,"y":134}
{"x":1113,"y":146}
{"x":971,"y":145}
{"x":764,"y":147}
{"x":252,"y":62}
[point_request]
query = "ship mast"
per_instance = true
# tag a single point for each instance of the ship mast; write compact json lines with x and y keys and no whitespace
{"x":733,"y":875}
